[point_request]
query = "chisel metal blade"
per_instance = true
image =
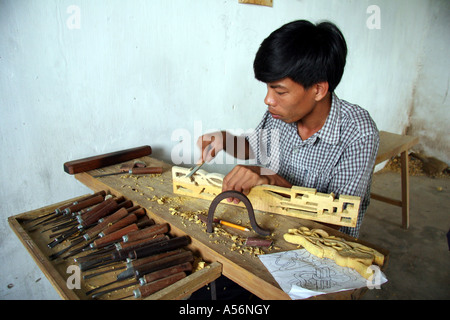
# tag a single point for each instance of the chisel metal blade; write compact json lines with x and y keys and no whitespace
{"x":195,"y":170}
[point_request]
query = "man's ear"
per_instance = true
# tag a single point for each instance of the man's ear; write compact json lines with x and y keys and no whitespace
{"x":321,"y":90}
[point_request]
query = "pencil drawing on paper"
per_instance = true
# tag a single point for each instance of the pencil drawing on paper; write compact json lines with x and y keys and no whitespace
{"x":312,"y":273}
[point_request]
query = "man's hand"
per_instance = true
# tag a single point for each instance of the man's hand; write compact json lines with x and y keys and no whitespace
{"x":243,"y":178}
{"x":210,"y":145}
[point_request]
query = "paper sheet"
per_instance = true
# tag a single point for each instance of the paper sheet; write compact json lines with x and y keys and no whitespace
{"x":302,"y":275}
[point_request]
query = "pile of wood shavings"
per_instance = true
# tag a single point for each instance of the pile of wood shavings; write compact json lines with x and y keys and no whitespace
{"x":187,"y":215}
{"x":415,"y":166}
{"x":165,"y":199}
{"x":237,"y":243}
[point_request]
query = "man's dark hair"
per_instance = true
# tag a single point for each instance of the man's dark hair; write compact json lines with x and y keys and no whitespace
{"x":304,"y":52}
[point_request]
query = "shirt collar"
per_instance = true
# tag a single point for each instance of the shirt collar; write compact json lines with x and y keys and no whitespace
{"x":329,"y":133}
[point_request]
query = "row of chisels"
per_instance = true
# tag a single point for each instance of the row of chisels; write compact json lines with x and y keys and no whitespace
{"x":103,"y":233}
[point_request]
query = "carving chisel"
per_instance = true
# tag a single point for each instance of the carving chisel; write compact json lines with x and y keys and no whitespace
{"x":63,"y":210}
{"x":195,"y":169}
{"x":198,"y":166}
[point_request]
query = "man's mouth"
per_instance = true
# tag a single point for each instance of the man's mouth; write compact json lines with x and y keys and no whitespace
{"x":275,"y":116}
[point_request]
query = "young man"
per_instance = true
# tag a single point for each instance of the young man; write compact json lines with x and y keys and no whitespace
{"x":308,"y":136}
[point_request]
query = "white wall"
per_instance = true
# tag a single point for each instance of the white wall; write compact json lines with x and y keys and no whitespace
{"x":430,"y":109}
{"x":136,"y":71}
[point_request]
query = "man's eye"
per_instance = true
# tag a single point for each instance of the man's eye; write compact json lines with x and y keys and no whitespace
{"x":280,"y":93}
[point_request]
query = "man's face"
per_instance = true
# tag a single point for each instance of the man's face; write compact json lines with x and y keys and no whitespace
{"x":289,"y":101}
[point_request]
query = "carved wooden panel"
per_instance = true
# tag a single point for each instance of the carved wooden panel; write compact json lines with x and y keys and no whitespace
{"x":300,"y":202}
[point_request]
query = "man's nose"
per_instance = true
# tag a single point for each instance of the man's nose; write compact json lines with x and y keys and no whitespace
{"x":269,"y":100}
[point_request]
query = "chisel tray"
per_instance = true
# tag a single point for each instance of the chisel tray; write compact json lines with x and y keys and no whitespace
{"x":62,"y":276}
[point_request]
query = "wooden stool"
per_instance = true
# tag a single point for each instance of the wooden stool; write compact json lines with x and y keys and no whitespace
{"x":392,"y":144}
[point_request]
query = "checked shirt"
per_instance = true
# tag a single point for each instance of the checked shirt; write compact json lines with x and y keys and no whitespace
{"x":339,"y":158}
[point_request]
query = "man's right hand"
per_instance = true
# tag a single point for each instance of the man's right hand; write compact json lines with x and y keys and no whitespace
{"x":211,"y":144}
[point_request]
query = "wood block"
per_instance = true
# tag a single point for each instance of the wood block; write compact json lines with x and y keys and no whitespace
{"x":268,"y":3}
{"x":104,"y":160}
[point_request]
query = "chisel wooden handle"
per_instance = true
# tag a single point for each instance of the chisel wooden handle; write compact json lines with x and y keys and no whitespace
{"x":159,"y":247}
{"x":157,"y":285}
{"x":140,"y":243}
{"x":132,"y":265}
{"x":142,"y":261}
{"x":166,"y":262}
{"x":143,"y":223}
{"x":122,"y":223}
{"x":138,"y":211}
{"x":94,"y":217}
{"x":91,"y":211}
{"x":147,"y":232}
{"x":124,"y":248}
{"x":107,"y":159}
{"x":148,"y":170}
{"x":116,"y":216}
{"x":153,"y":276}
{"x":84,"y":204}
{"x":67,"y":209}
{"x":113,"y":237}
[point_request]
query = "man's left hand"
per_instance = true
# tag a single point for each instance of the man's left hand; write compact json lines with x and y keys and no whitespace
{"x":244,"y":178}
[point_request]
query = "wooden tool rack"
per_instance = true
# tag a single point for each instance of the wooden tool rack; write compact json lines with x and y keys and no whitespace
{"x":218,"y":250}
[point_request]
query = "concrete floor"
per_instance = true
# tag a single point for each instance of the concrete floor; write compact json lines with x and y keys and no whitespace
{"x":419,"y":266}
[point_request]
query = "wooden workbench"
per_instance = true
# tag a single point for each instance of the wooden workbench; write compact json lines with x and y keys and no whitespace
{"x":154,"y":192}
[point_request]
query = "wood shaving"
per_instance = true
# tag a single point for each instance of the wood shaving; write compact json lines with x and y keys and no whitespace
{"x":415,"y":167}
{"x":199,"y":264}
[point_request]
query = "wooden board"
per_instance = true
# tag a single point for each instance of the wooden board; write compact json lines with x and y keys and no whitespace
{"x":297,"y":202}
{"x":58,"y":273}
{"x":155,"y":193}
{"x":392,"y":144}
{"x":268,"y":3}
